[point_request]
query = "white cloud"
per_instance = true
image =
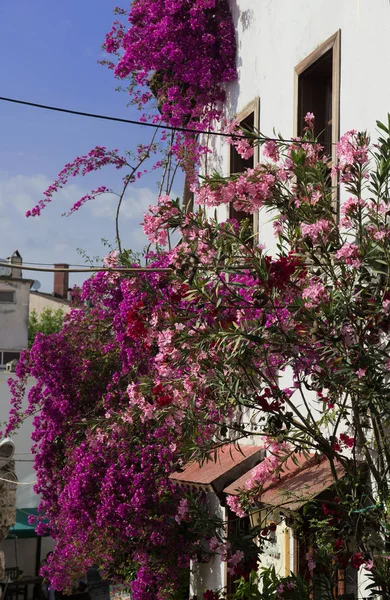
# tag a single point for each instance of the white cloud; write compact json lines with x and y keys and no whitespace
{"x":51,"y":238}
{"x":23,"y":192}
{"x":134,"y":205}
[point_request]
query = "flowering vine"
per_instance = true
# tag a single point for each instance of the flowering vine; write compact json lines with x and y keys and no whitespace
{"x":228,"y":343}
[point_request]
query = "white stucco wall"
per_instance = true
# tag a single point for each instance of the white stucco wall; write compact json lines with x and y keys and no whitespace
{"x":273,"y":37}
{"x":25,"y":496}
{"x":211,"y":575}
{"x":21,"y":553}
{"x":39,"y":302}
{"x":14,"y":315}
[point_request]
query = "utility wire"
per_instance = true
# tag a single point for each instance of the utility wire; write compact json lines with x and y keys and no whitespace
{"x":90,"y":269}
{"x":261,"y":138}
{"x":39,"y":264}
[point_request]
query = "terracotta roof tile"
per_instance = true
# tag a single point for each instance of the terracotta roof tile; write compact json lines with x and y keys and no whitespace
{"x":214,"y":475}
{"x":297,"y":485}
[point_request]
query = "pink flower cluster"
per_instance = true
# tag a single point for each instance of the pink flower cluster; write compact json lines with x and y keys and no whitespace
{"x":317,"y":232}
{"x":238,"y":140}
{"x":267,"y":470}
{"x":157,"y":223}
{"x":349,"y":254}
{"x":351,"y":209}
{"x":97,"y":158}
{"x":315,"y":293}
{"x":352,"y":153}
{"x":224,"y":550}
{"x":234,"y":504}
{"x":247,"y":192}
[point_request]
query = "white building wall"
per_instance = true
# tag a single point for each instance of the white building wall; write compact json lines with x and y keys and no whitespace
{"x":39,"y":302}
{"x":14,"y":315}
{"x":22,"y":552}
{"x":273,"y":37}
{"x":211,"y":575}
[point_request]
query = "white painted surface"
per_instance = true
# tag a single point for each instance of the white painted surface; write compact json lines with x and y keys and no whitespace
{"x":25,"y":496}
{"x":22,"y":553}
{"x":273,"y":37}
{"x":211,"y":575}
{"x":39,"y":302}
{"x":14,"y":315}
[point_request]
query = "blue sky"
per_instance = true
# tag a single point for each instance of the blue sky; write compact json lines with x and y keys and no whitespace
{"x":49,"y":52}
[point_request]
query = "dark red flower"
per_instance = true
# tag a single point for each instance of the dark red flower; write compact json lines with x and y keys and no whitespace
{"x":357,"y":560}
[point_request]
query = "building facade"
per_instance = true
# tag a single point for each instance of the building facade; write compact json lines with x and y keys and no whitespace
{"x":294,"y":58}
{"x":14,"y":309}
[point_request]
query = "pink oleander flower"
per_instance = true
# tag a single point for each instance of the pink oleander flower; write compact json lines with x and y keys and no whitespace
{"x":309,"y":120}
{"x":182,"y":511}
{"x":270,"y":150}
{"x":158,"y":221}
{"x":235,"y":506}
{"x":234,"y":560}
{"x":350,"y":255}
{"x":361,"y":373}
{"x":266,"y":470}
{"x":352,"y":149}
{"x":317,"y":232}
{"x":315,"y":294}
{"x":243,"y":145}
{"x":350,"y":209}
{"x":311,"y":565}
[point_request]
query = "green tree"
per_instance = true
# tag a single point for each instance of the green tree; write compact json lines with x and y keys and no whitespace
{"x":48,"y":321}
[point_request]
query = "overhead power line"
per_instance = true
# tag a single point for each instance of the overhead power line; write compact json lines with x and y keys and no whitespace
{"x":90,"y":269}
{"x":80,"y":113}
{"x":117,"y":119}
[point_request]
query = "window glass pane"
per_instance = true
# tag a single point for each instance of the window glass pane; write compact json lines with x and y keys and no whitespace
{"x":315,"y":96}
{"x":8,"y":356}
{"x":6,"y":297}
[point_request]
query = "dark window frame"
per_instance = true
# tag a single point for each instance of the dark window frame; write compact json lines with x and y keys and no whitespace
{"x":250,"y":117}
{"x":7,"y":294}
{"x":331,"y":45}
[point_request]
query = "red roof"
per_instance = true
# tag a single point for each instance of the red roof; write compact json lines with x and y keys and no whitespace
{"x":221,"y":469}
{"x":297,"y":485}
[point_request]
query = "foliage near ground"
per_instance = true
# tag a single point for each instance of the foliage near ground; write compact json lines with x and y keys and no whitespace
{"x":46,"y":322}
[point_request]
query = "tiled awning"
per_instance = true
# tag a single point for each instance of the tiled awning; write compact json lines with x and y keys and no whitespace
{"x":297,"y":484}
{"x":213,"y":475}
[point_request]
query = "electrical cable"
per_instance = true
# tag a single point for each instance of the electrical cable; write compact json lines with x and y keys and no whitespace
{"x":39,"y":264}
{"x":91,"y":269}
{"x":80,"y":113}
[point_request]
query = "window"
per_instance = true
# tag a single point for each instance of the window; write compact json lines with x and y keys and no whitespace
{"x":7,"y":297}
{"x":248,"y":118}
{"x":238,"y":528}
{"x":6,"y":357}
{"x":345,"y":583}
{"x":317,"y":90}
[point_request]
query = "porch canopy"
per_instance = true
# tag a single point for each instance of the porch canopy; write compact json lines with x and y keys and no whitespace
{"x":301,"y":480}
{"x":222,"y":468}
{"x":22,"y":528}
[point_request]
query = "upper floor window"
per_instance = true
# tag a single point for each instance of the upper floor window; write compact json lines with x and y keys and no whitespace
{"x":249,"y":119}
{"x":7,"y":297}
{"x":317,"y":90}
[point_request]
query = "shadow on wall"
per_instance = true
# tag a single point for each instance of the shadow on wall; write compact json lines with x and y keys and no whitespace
{"x":242,"y":20}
